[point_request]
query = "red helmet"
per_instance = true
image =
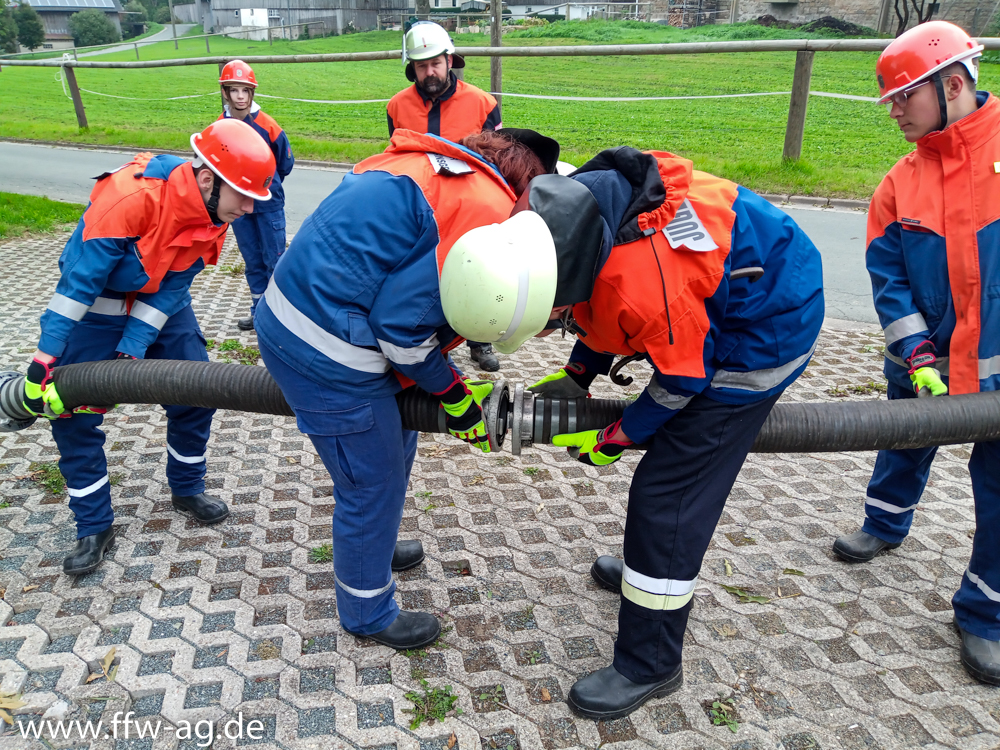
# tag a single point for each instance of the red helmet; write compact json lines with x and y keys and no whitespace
{"x":233,"y":150}
{"x":920,"y":53}
{"x":237,"y":71}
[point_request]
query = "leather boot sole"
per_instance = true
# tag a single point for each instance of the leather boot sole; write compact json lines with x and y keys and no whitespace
{"x":672,"y":685}
{"x":202,"y":521}
{"x":408,"y":566}
{"x":96,"y":565}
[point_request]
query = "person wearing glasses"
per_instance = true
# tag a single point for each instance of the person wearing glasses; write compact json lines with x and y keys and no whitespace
{"x":933,"y":242}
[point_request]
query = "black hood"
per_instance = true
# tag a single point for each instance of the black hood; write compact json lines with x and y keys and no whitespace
{"x":642,"y":173}
{"x":570,"y":212}
{"x":545,"y":148}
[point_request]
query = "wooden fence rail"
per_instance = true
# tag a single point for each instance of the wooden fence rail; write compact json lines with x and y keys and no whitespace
{"x":805,"y":50}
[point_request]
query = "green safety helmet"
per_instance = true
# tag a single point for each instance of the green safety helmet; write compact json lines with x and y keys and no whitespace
{"x":499,"y":281}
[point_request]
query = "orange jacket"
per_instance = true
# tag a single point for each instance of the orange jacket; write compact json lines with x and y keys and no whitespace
{"x":462,"y":110}
{"x":933,"y":242}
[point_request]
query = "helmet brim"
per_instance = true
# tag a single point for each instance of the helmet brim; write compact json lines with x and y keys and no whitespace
{"x":965,"y":57}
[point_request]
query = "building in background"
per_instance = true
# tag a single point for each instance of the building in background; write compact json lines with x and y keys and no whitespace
{"x":55,"y":17}
{"x":323,"y":16}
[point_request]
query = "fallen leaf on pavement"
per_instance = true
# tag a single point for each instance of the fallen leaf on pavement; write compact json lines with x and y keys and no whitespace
{"x":546,"y":695}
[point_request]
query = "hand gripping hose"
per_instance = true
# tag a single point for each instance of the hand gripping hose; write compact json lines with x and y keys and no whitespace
{"x":791,"y":427}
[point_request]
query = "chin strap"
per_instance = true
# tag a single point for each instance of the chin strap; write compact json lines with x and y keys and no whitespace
{"x":942,"y":100}
{"x":212,"y":205}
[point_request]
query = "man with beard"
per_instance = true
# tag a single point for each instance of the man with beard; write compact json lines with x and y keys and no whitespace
{"x":440,"y":104}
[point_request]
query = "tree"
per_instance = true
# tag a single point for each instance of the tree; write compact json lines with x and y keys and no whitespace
{"x":30,"y":31}
{"x":162,"y":15}
{"x":134,"y":20}
{"x":922,"y":13}
{"x":92,"y":26}
{"x":8,"y":31}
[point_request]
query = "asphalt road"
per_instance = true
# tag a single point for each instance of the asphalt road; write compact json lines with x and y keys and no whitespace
{"x":67,"y":174}
{"x":163,"y":35}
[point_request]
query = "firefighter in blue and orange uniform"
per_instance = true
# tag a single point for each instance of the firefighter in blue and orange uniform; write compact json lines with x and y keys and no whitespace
{"x":934,"y":260}
{"x":150,"y":227}
{"x":353,"y":312}
{"x":440,"y":104}
{"x":260,"y":235}
{"x":722,"y":293}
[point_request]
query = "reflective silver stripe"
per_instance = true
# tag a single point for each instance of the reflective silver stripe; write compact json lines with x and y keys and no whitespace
{"x":362,"y":593}
{"x":348,"y":355}
{"x":256,"y":296}
{"x":149,"y":315}
{"x":760,"y":380}
{"x":109,"y":306}
{"x":520,"y":307}
{"x":990,"y":593}
{"x":664,"y":397}
{"x":888,"y":506}
{"x":941,"y":364}
{"x":661,"y":586}
{"x":184,"y":459}
{"x":904,"y":327}
{"x":68,"y":308}
{"x":402,"y":355}
{"x":88,"y":490}
{"x":989,"y":367}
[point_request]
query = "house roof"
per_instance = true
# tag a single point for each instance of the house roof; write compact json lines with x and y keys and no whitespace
{"x":109,"y":6}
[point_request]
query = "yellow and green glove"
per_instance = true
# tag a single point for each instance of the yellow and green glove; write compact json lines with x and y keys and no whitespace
{"x":462,"y":403}
{"x":926,"y":378}
{"x":571,"y":381}
{"x":40,"y":395}
{"x":594,"y":447}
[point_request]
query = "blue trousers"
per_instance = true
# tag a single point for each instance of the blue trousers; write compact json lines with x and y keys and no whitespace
{"x":676,"y":499}
{"x":369,"y":455}
{"x":81,"y":441}
{"x":261,"y":239}
{"x":893,"y":493}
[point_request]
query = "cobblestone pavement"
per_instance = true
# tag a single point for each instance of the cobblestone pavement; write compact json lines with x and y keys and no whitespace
{"x":208,"y":623}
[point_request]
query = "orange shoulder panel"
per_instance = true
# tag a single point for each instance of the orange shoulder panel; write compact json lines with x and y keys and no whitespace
{"x":269,"y":124}
{"x":122,"y":204}
{"x":465,"y":112}
{"x":408,"y":110}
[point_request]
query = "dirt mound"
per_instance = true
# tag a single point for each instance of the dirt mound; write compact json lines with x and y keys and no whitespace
{"x":826,"y":22}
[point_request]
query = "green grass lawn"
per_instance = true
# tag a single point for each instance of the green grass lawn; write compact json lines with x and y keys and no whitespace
{"x":849,"y":145}
{"x":27,"y":214}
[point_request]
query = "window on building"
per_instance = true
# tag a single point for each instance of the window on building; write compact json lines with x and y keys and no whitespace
{"x":437,"y":3}
{"x":273,"y":13}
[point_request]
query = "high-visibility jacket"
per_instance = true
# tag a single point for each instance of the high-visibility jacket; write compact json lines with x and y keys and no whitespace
{"x":934,"y":252}
{"x":277,"y":141}
{"x":141,"y":241}
{"x":462,"y":110}
{"x":356,"y":295}
{"x":666,"y":288}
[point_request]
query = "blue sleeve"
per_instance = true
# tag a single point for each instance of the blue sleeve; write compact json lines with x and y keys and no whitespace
{"x":151,"y":310}
{"x":658,"y":403}
{"x":901,"y":319}
{"x":595,"y":362}
{"x":85,"y":269}
{"x":283,"y":157}
{"x":406,"y":312}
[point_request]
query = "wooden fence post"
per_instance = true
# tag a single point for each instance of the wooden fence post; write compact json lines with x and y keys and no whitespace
{"x":74,"y":90}
{"x":173,"y":26}
{"x":797,"y":106}
{"x":496,"y":62}
{"x":223,"y":98}
{"x":208,"y":49}
{"x":137,"y":50}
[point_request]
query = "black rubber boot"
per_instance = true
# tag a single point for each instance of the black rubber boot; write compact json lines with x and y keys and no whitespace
{"x":606,"y":694}
{"x":980,"y":657}
{"x":408,"y":554}
{"x":607,"y":573}
{"x":409,"y":630}
{"x":245,"y":324}
{"x":860,"y":547}
{"x":88,"y":552}
{"x":484,"y":356}
{"x":206,"y":509}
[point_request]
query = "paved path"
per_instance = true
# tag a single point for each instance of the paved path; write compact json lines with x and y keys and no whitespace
{"x":164,"y":35}
{"x":211,"y":622}
{"x":66,"y":174}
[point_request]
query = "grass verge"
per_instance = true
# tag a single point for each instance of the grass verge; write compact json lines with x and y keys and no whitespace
{"x":849,"y":145}
{"x":28,"y":214}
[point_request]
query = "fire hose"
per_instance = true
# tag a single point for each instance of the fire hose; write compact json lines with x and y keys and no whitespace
{"x":810,"y":427}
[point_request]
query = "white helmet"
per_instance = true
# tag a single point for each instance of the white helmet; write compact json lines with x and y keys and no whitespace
{"x":498,"y":283}
{"x":425,"y":40}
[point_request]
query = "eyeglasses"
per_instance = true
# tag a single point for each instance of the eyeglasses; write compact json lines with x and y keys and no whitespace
{"x":900,"y":98}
